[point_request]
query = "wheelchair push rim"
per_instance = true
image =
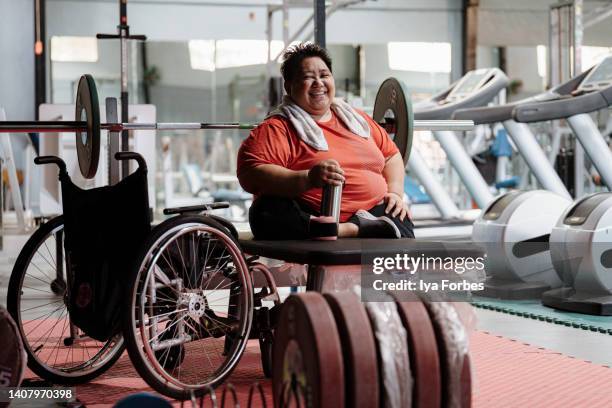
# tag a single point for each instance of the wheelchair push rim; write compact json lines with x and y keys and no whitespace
{"x":186,"y":308}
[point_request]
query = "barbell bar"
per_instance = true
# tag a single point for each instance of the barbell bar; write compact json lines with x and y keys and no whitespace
{"x":392,"y":110}
{"x":79,"y":126}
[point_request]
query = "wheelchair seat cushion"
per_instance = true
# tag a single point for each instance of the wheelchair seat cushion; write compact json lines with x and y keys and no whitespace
{"x":104,"y":228}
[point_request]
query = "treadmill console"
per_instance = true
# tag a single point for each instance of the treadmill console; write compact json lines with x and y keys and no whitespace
{"x":470,"y":82}
{"x":583,"y":208}
{"x":599,"y":78}
{"x":499,"y":205}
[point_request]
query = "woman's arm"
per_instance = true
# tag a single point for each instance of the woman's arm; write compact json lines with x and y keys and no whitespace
{"x":274,"y":180}
{"x":277,"y":180}
{"x":394,"y":172}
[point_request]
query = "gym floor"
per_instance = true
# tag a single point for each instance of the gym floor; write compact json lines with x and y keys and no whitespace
{"x":506,"y":349}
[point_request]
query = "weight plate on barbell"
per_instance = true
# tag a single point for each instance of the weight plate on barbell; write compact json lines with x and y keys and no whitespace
{"x":88,"y":142}
{"x":307,"y":365}
{"x":393,"y":110}
{"x":422,"y":345}
{"x":358,"y":348}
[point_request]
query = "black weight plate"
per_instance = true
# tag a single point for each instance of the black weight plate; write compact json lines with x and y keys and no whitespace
{"x":12,"y":353}
{"x":307,"y":365}
{"x":358,"y":348}
{"x":393,"y":97}
{"x":88,"y":142}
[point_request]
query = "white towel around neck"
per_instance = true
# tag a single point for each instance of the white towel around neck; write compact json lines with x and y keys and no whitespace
{"x":308,"y":130}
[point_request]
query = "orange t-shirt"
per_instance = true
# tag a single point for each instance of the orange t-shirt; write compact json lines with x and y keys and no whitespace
{"x":275,"y":141}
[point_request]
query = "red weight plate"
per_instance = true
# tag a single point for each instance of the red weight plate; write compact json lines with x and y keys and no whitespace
{"x":456,"y":375}
{"x":423,"y":348}
{"x":12,"y":353}
{"x":393,"y":102}
{"x":466,"y":382}
{"x":307,"y":363}
{"x":358,"y":348}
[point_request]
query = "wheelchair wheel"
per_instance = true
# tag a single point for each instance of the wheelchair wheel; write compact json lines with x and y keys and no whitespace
{"x":57,"y":350}
{"x":190,"y":307}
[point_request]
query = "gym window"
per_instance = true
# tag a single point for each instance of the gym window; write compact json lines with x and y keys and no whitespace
{"x":209,"y":55}
{"x":74,"y":49}
{"x":590,"y":56}
{"x":420,"y":56}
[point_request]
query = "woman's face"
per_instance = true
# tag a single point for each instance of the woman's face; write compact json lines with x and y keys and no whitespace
{"x":313,"y":89}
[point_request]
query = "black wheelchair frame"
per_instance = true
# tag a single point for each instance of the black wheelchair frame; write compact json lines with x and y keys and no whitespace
{"x":187,"y":306}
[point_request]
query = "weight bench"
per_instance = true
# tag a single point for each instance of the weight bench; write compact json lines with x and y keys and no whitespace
{"x":320,"y":255}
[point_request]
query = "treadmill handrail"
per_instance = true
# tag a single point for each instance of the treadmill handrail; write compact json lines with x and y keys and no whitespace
{"x":498,"y":81}
{"x":561,"y":108}
{"x":486,"y":114}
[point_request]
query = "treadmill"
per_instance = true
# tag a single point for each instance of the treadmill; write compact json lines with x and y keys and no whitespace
{"x":574,"y":101}
{"x":522,"y":137}
{"x":476,"y":88}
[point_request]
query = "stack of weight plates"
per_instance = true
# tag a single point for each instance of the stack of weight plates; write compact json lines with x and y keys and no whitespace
{"x":333,"y":350}
{"x":12,"y":354}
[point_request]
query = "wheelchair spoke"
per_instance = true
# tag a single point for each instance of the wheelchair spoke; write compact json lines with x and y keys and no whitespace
{"x":43,"y":305}
{"x":193,"y":311}
{"x":43,"y":316}
{"x":42,"y":271}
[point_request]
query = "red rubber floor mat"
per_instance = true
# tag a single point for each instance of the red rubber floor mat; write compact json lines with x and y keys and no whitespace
{"x":512,"y":374}
{"x":507,"y":374}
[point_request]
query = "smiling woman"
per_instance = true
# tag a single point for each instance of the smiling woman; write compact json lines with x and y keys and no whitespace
{"x":311,"y":140}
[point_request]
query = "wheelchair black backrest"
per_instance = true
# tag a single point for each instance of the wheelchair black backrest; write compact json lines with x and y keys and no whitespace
{"x":104,"y":229}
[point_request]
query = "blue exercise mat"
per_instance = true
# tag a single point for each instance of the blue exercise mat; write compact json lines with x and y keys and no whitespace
{"x":533,"y":309}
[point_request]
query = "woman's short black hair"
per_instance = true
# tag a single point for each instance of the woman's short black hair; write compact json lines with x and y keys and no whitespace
{"x":294,"y":55}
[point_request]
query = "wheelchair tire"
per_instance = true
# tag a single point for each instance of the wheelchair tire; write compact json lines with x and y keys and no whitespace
{"x":185,"y":262}
{"x":42,"y":316}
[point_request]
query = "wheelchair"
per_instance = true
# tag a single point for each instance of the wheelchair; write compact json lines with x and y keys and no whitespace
{"x":179,"y":296}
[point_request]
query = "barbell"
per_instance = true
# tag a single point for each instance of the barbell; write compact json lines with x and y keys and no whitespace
{"x":392,"y":110}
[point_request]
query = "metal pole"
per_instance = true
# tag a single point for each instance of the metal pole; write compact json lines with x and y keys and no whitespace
{"x":319,"y":22}
{"x":463,"y":164}
{"x":575,"y":69}
{"x":441,"y":199}
{"x":535,"y":158}
{"x":596,"y":148}
{"x":40,"y":87}
{"x":124,"y":33}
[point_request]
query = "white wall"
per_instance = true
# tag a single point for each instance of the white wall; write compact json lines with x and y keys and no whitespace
{"x":522,"y":63}
{"x":525,"y":23}
{"x":17,"y":59}
{"x":374,"y":22}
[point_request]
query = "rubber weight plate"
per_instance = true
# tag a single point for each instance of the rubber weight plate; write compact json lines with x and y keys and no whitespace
{"x":358,"y":348}
{"x":88,"y":110}
{"x":423,"y":349}
{"x":307,"y":365}
{"x":454,"y":360}
{"x":393,"y":355}
{"x":393,"y":110}
{"x":12,"y":353}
